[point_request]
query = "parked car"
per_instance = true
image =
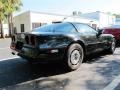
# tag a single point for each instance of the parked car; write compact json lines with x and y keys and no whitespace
{"x":114,"y":30}
{"x":66,"y":42}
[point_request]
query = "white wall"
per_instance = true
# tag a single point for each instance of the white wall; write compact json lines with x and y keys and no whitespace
{"x":75,"y":19}
{"x":22,"y":19}
{"x":37,"y":17}
{"x":47,"y":18}
{"x":93,"y":15}
{"x":28,"y":18}
{"x":5,"y":29}
{"x":82,"y":20}
{"x":104,"y":19}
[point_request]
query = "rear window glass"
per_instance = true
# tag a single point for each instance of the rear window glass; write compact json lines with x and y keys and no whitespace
{"x":115,"y":26}
{"x":58,"y":27}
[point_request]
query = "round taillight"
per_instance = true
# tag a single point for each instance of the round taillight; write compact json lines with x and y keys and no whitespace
{"x":32,"y":40}
{"x":27,"y":39}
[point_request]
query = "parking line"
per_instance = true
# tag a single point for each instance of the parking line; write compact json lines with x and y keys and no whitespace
{"x":9,"y":58}
{"x":113,"y":84}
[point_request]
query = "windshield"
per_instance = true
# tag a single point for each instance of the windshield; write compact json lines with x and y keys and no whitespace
{"x":112,"y":26}
{"x":115,"y":26}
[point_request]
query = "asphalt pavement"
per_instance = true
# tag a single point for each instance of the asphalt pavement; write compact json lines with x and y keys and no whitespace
{"x":101,"y":72}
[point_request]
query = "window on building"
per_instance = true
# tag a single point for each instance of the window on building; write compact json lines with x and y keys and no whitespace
{"x":22,"y":28}
{"x":35,"y":25}
{"x":43,"y":24}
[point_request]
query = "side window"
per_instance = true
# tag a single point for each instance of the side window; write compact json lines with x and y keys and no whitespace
{"x":85,"y":29}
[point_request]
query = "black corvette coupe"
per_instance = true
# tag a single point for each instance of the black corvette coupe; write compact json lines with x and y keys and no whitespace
{"x":66,"y":42}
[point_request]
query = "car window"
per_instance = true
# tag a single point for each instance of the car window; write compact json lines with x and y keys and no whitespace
{"x":115,"y":26}
{"x":85,"y":29}
{"x":59,"y":27}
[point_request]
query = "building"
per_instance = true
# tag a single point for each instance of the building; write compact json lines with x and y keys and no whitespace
{"x":5,"y":30}
{"x":29,"y":20}
{"x":104,"y":19}
{"x":117,"y":21}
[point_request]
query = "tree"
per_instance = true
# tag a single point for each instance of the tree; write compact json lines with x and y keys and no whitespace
{"x":2,"y":16}
{"x":11,"y":6}
{"x":117,"y":15}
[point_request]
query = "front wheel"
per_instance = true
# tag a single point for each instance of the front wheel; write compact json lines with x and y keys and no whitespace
{"x":112,"y":47}
{"x":75,"y":55}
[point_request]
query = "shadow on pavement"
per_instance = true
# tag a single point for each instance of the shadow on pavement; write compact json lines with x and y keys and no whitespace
{"x":17,"y":70}
{"x":94,"y":57}
{"x":105,"y":69}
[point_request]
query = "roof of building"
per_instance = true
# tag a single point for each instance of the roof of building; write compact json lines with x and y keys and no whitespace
{"x":54,"y":14}
{"x":99,"y":12}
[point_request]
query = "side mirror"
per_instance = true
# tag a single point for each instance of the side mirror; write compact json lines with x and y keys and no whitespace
{"x":99,"y":32}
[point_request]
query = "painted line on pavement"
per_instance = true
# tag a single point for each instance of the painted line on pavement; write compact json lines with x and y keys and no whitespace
{"x":9,"y":58}
{"x":113,"y":84}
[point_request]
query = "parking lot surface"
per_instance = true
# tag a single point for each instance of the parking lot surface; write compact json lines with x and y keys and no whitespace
{"x":99,"y":73}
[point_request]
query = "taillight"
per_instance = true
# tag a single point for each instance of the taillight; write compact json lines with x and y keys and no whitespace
{"x":27,"y":39}
{"x":32,"y":40}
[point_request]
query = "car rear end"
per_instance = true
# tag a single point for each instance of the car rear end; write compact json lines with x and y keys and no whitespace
{"x":41,"y":47}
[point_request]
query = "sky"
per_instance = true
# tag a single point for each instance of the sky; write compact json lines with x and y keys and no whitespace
{"x":66,"y":7}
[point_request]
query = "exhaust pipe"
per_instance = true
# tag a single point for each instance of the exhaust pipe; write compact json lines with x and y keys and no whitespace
{"x":13,"y":53}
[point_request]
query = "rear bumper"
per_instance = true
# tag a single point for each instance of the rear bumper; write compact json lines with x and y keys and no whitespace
{"x":37,"y":55}
{"x":40,"y":58}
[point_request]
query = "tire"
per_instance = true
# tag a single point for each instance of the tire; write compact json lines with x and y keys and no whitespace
{"x":74,"y":58}
{"x":112,"y":47}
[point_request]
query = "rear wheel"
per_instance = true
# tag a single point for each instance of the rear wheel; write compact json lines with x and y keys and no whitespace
{"x":75,"y":55}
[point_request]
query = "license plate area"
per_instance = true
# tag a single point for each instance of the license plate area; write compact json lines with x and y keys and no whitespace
{"x":30,"y":52}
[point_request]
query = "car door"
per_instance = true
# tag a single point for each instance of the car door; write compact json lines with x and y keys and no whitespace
{"x":89,"y":35}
